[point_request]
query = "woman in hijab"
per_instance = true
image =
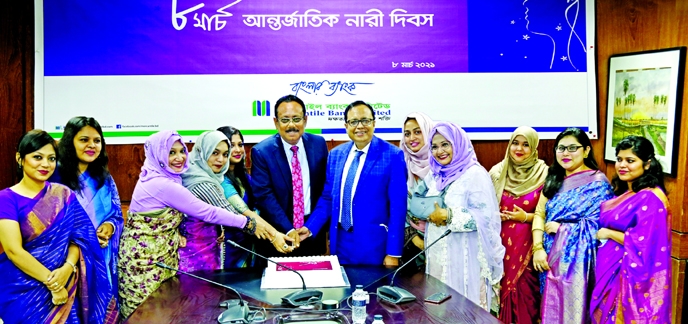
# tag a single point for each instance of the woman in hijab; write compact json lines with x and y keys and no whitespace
{"x":157,"y":207}
{"x":518,"y":182}
{"x":416,"y":150}
{"x":208,"y":163}
{"x":469,"y":209}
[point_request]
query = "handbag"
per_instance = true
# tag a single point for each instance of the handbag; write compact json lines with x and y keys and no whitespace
{"x":421,"y":206}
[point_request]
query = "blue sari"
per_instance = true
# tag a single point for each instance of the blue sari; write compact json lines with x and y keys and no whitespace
{"x":49,"y":223}
{"x":103,"y":205}
{"x":571,"y":250}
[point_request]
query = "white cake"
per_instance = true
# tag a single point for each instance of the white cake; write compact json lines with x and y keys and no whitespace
{"x":317,"y":271}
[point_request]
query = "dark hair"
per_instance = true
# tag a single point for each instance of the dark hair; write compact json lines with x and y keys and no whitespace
{"x":31,"y":142}
{"x":556,"y":173}
{"x":290,"y":98}
{"x":354,"y":104}
{"x":645,"y":151}
{"x":239,"y":171}
{"x":69,"y":162}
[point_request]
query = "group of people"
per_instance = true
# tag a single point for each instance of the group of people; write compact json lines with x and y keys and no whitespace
{"x":529,"y":242}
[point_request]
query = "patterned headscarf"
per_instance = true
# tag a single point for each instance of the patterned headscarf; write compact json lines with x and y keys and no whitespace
{"x":520,"y":178}
{"x":463,"y":154}
{"x":157,"y":149}
{"x":199,"y":170}
{"x":417,"y":163}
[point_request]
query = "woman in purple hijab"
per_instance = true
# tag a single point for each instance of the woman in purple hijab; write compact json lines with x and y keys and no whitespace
{"x":470,"y":210}
{"x":633,"y":270}
{"x":151,"y":231}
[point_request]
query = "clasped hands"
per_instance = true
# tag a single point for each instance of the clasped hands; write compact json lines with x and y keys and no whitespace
{"x":517,"y":215}
{"x":56,"y":281}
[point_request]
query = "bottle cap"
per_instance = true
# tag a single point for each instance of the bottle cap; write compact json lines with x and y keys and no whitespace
{"x":330,"y":304}
{"x":359,"y":286}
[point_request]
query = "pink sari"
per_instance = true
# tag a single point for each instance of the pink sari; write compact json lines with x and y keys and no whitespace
{"x":633,"y":279}
{"x":520,"y":294}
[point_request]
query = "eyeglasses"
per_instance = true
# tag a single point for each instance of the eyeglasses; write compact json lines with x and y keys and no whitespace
{"x":445,"y":147}
{"x":294,"y":120}
{"x":571,"y":148}
{"x":354,"y":122}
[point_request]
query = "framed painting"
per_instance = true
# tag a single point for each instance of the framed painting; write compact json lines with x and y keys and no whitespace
{"x":644,"y":97}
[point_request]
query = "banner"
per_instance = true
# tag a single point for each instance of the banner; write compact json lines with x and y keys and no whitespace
{"x":140,"y":67}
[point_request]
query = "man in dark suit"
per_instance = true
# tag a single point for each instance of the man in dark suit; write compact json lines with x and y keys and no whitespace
{"x":364,"y":197}
{"x":288,"y":171}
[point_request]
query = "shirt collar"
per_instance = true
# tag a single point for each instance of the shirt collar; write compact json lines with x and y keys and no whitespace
{"x":287,"y":146}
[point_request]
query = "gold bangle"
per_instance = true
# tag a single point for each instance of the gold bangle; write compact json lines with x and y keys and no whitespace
{"x":525,"y":219}
{"x":71,"y":264}
{"x":537,"y":247}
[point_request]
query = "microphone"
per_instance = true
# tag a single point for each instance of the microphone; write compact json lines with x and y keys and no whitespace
{"x":396,"y":295}
{"x":297,"y":298}
{"x":234,"y":313}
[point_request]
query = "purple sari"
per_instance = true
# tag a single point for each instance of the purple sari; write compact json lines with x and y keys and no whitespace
{"x":48,"y":223}
{"x":571,"y":251}
{"x":633,"y":279}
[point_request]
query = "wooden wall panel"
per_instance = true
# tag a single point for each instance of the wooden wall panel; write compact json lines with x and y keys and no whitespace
{"x":16,"y":81}
{"x":630,"y":26}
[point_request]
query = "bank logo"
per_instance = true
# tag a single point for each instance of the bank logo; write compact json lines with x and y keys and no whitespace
{"x":261,"y":108}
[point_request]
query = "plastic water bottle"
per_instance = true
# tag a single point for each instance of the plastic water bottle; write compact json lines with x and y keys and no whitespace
{"x":358,"y":305}
{"x":378,"y":319}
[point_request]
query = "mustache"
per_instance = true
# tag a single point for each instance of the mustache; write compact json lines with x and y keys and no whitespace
{"x":292,"y":129}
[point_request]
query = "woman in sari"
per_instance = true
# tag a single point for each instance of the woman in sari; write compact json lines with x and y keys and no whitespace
{"x":416,"y":154}
{"x":83,"y":168}
{"x":471,"y":212}
{"x":50,"y":260}
{"x":205,"y":241}
{"x":157,"y":207}
{"x":518,"y":182}
{"x":237,"y":189}
{"x":565,"y":226}
{"x":633,"y":270}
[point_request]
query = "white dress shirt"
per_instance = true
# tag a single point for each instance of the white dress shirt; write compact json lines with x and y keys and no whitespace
{"x":349,"y":160}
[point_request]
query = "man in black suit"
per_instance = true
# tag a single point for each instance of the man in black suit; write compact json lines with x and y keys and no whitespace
{"x":288,"y":171}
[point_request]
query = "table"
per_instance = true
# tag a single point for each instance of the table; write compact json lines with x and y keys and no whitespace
{"x":184,"y":299}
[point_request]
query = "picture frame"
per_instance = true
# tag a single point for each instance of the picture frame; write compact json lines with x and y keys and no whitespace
{"x":644,"y":97}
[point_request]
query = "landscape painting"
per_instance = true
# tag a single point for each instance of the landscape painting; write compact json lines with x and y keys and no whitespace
{"x":644,"y":97}
{"x":641,"y":105}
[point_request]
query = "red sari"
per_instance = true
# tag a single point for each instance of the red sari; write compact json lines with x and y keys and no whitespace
{"x":520,"y":294}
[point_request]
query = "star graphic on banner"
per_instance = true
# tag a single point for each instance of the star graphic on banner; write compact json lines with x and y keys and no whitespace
{"x":513,"y":22}
{"x":525,"y":57}
{"x":501,"y":54}
{"x":564,"y":58}
{"x":526,"y":37}
{"x":558,"y":28}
